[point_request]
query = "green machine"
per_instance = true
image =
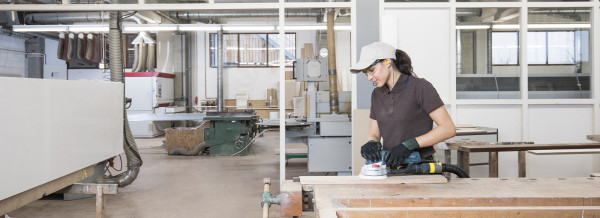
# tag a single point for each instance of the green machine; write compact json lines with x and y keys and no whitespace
{"x":230,"y":133}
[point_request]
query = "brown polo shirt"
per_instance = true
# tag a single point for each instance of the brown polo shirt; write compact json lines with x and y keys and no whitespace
{"x":403,"y":112}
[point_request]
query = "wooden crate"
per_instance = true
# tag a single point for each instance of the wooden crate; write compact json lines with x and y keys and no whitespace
{"x":183,"y":137}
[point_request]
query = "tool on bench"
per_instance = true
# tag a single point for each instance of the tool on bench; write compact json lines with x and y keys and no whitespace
{"x":413,"y":164}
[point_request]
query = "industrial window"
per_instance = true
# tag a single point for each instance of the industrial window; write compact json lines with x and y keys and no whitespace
{"x":544,"y":47}
{"x":252,"y":50}
{"x":505,"y":48}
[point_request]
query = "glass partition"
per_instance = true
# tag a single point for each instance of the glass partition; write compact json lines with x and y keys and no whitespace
{"x":558,"y":54}
{"x":487,"y":53}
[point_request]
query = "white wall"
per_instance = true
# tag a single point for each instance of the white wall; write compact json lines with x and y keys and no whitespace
{"x":168,"y":57}
{"x":12,"y":57}
{"x":54,"y":68}
{"x":428,"y":48}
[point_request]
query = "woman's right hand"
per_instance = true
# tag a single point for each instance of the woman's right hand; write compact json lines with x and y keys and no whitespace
{"x":371,"y":151}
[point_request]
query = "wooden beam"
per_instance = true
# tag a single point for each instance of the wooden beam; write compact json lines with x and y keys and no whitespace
{"x":16,"y":201}
{"x":526,"y":147}
{"x":473,"y":212}
{"x":470,"y":202}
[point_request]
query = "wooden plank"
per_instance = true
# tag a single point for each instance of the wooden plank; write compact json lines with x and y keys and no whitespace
{"x":547,"y":194}
{"x":526,"y":147}
{"x":289,"y":75}
{"x":360,"y":135}
{"x":468,"y":202}
{"x":16,"y":201}
{"x":471,"y":212}
{"x":552,"y":152}
{"x":290,"y":93}
{"x":355,"y":180}
{"x":291,"y":198}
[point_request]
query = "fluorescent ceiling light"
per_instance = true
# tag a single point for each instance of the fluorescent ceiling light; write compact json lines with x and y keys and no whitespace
{"x":193,"y":27}
{"x":249,"y":28}
{"x":40,"y":28}
{"x":88,"y":28}
{"x":307,"y":27}
{"x":560,"y":26}
{"x":472,"y":27}
{"x":505,"y":26}
{"x":146,"y":27}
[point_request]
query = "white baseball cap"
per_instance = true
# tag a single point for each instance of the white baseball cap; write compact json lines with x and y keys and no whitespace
{"x":371,"y":53}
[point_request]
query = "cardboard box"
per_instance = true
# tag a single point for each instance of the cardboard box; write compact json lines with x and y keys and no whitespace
{"x":183,"y":137}
{"x":272,"y":98}
{"x":289,"y":75}
{"x":290,"y":93}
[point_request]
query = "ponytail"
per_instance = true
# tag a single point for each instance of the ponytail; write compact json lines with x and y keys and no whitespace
{"x":403,"y":63}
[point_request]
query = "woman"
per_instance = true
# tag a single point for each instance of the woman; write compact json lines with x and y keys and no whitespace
{"x":403,"y":107}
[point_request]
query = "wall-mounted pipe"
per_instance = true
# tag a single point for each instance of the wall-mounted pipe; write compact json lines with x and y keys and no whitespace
{"x":188,"y":72}
{"x":71,"y":17}
{"x":220,"y":71}
{"x":333,"y":94}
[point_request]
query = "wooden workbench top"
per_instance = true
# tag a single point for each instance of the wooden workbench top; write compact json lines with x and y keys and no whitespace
{"x":514,"y":195}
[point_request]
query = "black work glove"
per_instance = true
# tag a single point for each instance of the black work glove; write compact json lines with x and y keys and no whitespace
{"x":398,"y":153}
{"x":371,"y":151}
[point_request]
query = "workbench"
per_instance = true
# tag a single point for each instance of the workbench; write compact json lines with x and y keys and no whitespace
{"x":481,"y":197}
{"x":464,"y":152}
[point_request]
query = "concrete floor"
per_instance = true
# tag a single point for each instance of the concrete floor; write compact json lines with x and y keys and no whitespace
{"x":175,"y":186}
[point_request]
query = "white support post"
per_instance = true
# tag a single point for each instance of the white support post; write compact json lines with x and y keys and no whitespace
{"x":453,"y":60}
{"x":524,"y":71}
{"x":282,"y":92}
{"x":595,"y":54}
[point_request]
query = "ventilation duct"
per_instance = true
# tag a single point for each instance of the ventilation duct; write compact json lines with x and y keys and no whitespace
{"x":205,"y":15}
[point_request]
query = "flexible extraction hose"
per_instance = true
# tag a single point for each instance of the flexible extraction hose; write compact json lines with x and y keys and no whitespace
{"x":182,"y":151}
{"x":81,"y":46}
{"x":150,"y":57}
{"x":455,"y":169}
{"x":134,"y":160}
{"x":136,"y":53}
{"x":70,"y":44}
{"x":141,"y":67}
{"x":89,"y":50}
{"x":61,"y":44}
